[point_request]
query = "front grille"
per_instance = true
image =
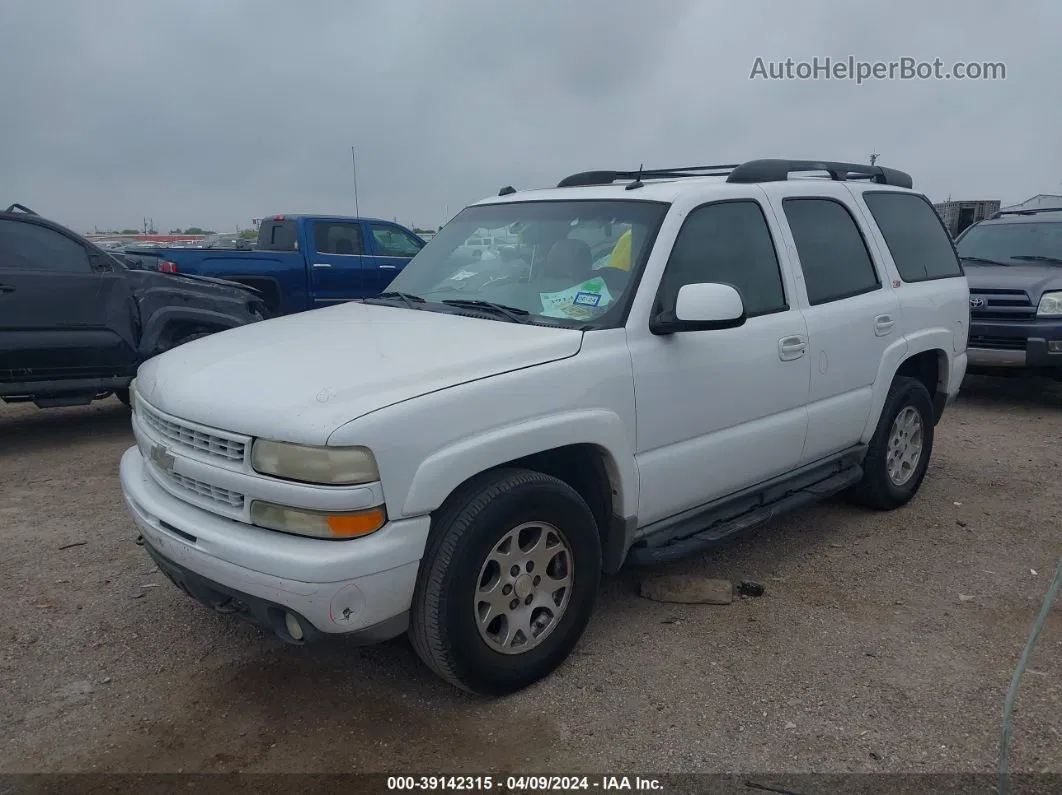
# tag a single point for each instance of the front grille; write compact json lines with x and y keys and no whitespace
{"x":1001,"y":304}
{"x":232,"y":499}
{"x":997,"y":343}
{"x":191,"y":438}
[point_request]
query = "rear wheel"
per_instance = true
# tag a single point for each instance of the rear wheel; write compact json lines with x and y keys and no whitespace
{"x":508,"y":582}
{"x":123,"y":395}
{"x":900,"y":449}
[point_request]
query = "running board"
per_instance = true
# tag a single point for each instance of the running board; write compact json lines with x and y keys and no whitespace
{"x":723,"y":521}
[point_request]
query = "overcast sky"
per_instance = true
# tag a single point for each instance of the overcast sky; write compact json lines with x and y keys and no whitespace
{"x":213,"y":112}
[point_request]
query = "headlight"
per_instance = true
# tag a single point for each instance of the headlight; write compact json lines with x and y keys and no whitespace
{"x":1050,"y":305}
{"x":330,"y":466}
{"x":317,"y":524}
{"x":132,"y":395}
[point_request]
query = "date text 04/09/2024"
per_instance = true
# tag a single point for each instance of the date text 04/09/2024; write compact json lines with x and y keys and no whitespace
{"x":522,"y":783}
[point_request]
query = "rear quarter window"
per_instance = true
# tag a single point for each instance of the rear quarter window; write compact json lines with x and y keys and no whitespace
{"x":917,"y":240}
{"x":276,"y":235}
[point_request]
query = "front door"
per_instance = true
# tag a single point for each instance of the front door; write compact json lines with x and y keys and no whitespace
{"x":852,"y":317}
{"x":393,"y":247}
{"x":61,"y":315}
{"x":338,"y":262}
{"x":721,"y":410}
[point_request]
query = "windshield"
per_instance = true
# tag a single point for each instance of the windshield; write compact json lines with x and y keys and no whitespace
{"x":568,"y":263}
{"x":1013,"y":244}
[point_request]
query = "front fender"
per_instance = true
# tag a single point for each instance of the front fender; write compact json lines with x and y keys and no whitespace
{"x":446,"y":469}
{"x":165,"y":317}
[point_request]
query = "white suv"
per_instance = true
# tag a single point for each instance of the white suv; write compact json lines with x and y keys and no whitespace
{"x":665,"y":359}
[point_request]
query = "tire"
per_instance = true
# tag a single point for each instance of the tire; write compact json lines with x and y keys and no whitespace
{"x":878,"y":489}
{"x":123,"y":395}
{"x":465,"y":536}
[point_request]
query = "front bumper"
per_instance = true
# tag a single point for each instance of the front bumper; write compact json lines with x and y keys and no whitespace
{"x":360,"y":586}
{"x":1015,"y":344}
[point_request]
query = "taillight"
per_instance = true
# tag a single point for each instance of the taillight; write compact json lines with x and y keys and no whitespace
{"x":167,"y":267}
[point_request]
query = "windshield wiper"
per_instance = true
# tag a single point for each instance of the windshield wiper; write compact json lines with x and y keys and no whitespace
{"x":408,"y":299}
{"x":513,"y":313}
{"x":1037,"y":258}
{"x":981,"y":259}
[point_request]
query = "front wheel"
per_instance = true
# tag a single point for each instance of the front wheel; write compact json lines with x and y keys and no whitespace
{"x":899,"y":451}
{"x":508,"y":582}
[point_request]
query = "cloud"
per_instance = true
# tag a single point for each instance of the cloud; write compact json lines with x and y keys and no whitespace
{"x":207,"y":113}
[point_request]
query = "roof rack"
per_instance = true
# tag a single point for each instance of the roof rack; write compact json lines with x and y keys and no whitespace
{"x":1030,"y":211}
{"x":584,"y":178}
{"x":749,"y":172}
{"x":20,"y":208}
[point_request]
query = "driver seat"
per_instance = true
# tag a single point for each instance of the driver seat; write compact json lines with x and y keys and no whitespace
{"x":569,"y":260}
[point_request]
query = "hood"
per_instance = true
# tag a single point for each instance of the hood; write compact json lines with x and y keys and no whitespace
{"x":1033,"y":278}
{"x":151,"y":281}
{"x":299,"y":377}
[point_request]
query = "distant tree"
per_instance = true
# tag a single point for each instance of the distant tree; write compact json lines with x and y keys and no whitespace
{"x":249,"y":234}
{"x":420,"y":231}
{"x":195,"y":230}
{"x":130,"y":232}
{"x":175,"y":231}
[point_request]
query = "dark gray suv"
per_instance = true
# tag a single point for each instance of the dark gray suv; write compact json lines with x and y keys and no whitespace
{"x":1013,"y":264}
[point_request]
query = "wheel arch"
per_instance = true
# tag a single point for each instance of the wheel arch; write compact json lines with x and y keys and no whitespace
{"x":923,"y":358}
{"x":172,"y":323}
{"x":588,"y":450}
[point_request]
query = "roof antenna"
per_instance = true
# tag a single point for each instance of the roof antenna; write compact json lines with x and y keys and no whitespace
{"x":637,"y":180}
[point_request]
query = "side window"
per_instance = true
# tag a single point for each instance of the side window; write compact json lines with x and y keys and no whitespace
{"x":730,"y":243}
{"x":337,"y":238}
{"x":277,"y":235}
{"x":833,"y":254}
{"x":28,"y":246}
{"x":917,"y":240}
{"x":394,"y":242}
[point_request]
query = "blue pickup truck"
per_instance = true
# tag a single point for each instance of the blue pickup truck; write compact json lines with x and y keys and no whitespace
{"x":306,"y":261}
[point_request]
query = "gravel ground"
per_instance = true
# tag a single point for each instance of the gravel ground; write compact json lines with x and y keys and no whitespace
{"x":861,"y":656}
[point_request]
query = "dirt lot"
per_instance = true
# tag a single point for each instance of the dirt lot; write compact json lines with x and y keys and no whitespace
{"x":860,"y":657}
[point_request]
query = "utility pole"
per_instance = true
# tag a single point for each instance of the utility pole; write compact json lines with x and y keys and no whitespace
{"x":874,"y":158}
{"x":354,"y":163}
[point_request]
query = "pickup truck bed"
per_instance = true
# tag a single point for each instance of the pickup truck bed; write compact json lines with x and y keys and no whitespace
{"x":305,"y":262}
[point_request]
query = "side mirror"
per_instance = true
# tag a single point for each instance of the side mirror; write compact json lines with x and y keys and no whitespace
{"x":701,"y":307}
{"x":100,"y":263}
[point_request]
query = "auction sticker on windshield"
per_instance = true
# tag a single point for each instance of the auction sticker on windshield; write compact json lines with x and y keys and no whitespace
{"x":577,"y":302}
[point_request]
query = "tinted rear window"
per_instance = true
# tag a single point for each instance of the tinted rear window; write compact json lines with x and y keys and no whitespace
{"x":278,"y":235}
{"x":919,"y":245}
{"x":831,"y":249}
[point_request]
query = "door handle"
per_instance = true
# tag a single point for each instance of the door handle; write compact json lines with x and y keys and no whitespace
{"x":883,"y":325}
{"x":790,"y":348}
{"x":6,"y":288}
{"x":387,"y":267}
{"x":322,"y":264}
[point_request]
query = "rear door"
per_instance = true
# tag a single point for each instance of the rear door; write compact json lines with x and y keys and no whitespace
{"x":338,"y":262}
{"x":851,"y":311}
{"x":392,"y":247}
{"x":65,"y":309}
